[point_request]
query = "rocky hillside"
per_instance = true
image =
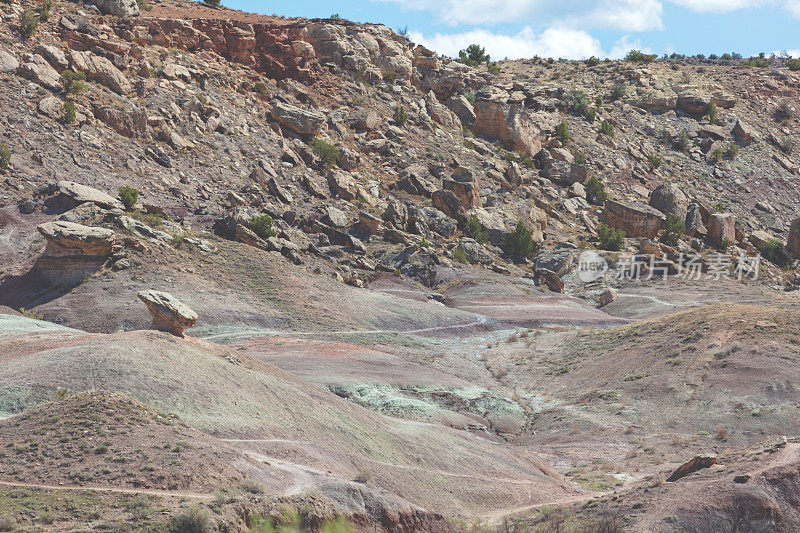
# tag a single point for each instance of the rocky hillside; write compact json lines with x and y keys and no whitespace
{"x":399,"y":234}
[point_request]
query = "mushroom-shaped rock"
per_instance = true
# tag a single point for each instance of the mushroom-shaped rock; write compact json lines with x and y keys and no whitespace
{"x":169,"y":313}
{"x":68,"y":237}
{"x":73,"y":251}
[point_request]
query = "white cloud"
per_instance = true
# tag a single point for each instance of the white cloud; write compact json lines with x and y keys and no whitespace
{"x":625,"y":45}
{"x":719,"y":6}
{"x":627,"y":15}
{"x":552,"y":42}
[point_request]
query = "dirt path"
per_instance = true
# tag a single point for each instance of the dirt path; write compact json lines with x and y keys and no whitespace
{"x":119,"y":490}
{"x":480,"y":320}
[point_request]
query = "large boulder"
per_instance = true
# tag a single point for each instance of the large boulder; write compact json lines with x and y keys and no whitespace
{"x":169,"y":313}
{"x":396,"y":214}
{"x":440,"y":113}
{"x":744,"y":133}
{"x":694,"y":221}
{"x":303,"y":121}
{"x":119,"y":8}
{"x":8,"y":63}
{"x":462,"y":109}
{"x":464,"y":184}
{"x":696,"y":463}
{"x":793,"y":242}
{"x":343,"y":185}
{"x":416,"y":179}
{"x":73,"y":251}
{"x":693,"y":103}
{"x":636,"y":220}
{"x":37,"y":69}
{"x":510,"y":124}
{"x":670,"y":200}
{"x":721,"y":229}
{"x":101,"y":70}
{"x":70,"y":194}
{"x":364,"y":119}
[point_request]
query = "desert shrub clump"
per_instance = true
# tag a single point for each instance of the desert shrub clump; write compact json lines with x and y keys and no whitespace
{"x":793,"y":64}
{"x":73,"y":82}
{"x":128,"y":196}
{"x":399,"y":115}
{"x":476,"y":230}
{"x":640,"y":57}
{"x":28,"y":24}
{"x":213,"y":3}
{"x":618,"y":91}
{"x":261,"y":88}
{"x":520,"y":244}
{"x":194,"y":520}
{"x":595,"y":191}
{"x":592,"y":61}
{"x":611,"y":239}
{"x":473,"y":55}
{"x":262,"y":226}
{"x":577,"y":102}
{"x":459,"y":255}
{"x":68,"y":112}
{"x":606,"y":128}
{"x":5,"y":156}
{"x":562,"y":132}
{"x":674,"y":228}
{"x":654,"y":160}
{"x":328,"y":154}
{"x":45,"y":10}
{"x":591,"y":115}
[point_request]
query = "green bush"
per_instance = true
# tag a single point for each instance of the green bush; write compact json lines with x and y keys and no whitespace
{"x":144,"y":6}
{"x":5,"y":156}
{"x":46,"y":10}
{"x":786,"y":145}
{"x":327,"y":153}
{"x":261,"y":88}
{"x":68,"y":112}
{"x":595,"y":191}
{"x":390,"y":77}
{"x":640,"y":57}
{"x":732,"y":150}
{"x":520,"y":244}
{"x":577,"y":102}
{"x":194,"y":520}
{"x":610,"y":238}
{"x":28,"y":24}
{"x":473,"y":55}
{"x":674,"y":228}
{"x":716,"y":155}
{"x":476,"y":230}
{"x":592,"y":61}
{"x":784,"y":111}
{"x":713,"y":113}
{"x":654,"y":160}
{"x":793,"y":64}
{"x":459,"y":255}
{"x":773,"y":251}
{"x":580,"y":159}
{"x":73,"y":82}
{"x":591,"y":115}
{"x":618,"y":91}
{"x":128,"y":196}
{"x":494,"y":67}
{"x":213,"y":3}
{"x":400,"y":116}
{"x":424,"y":243}
{"x":262,"y":226}
{"x":682,"y":142}
{"x":470,"y":96}
{"x":606,"y":128}
{"x":562,"y":132}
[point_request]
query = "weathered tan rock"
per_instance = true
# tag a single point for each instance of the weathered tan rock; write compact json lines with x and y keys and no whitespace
{"x":793,"y":242}
{"x":721,"y":229}
{"x":101,"y":70}
{"x":694,"y":221}
{"x":448,"y":203}
{"x":8,"y":63}
{"x":77,"y":193}
{"x":550,"y":279}
{"x":670,"y":200}
{"x":698,"y":462}
{"x":636,"y":220}
{"x":364,"y":119}
{"x":744,"y":132}
{"x":464,"y":185}
{"x":119,"y":8}
{"x":693,"y":103}
{"x":441,"y":113}
{"x":68,"y":238}
{"x":169,"y":313}
{"x":510,"y":124}
{"x":462,"y":108}
{"x":73,"y":251}
{"x":37,"y":69}
{"x":304,"y":121}
{"x":607,"y":296}
{"x":343,"y":185}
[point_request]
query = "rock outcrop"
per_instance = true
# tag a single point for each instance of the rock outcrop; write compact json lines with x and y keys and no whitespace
{"x":721,"y":229}
{"x":120,"y":8}
{"x":793,"y":242}
{"x":169,"y":313}
{"x":73,"y":251}
{"x":510,"y":124}
{"x":636,"y":220}
{"x":304,"y":121}
{"x":670,"y":200}
{"x":70,"y":194}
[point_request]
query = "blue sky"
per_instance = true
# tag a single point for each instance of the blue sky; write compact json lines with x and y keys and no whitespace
{"x":572,"y":28}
